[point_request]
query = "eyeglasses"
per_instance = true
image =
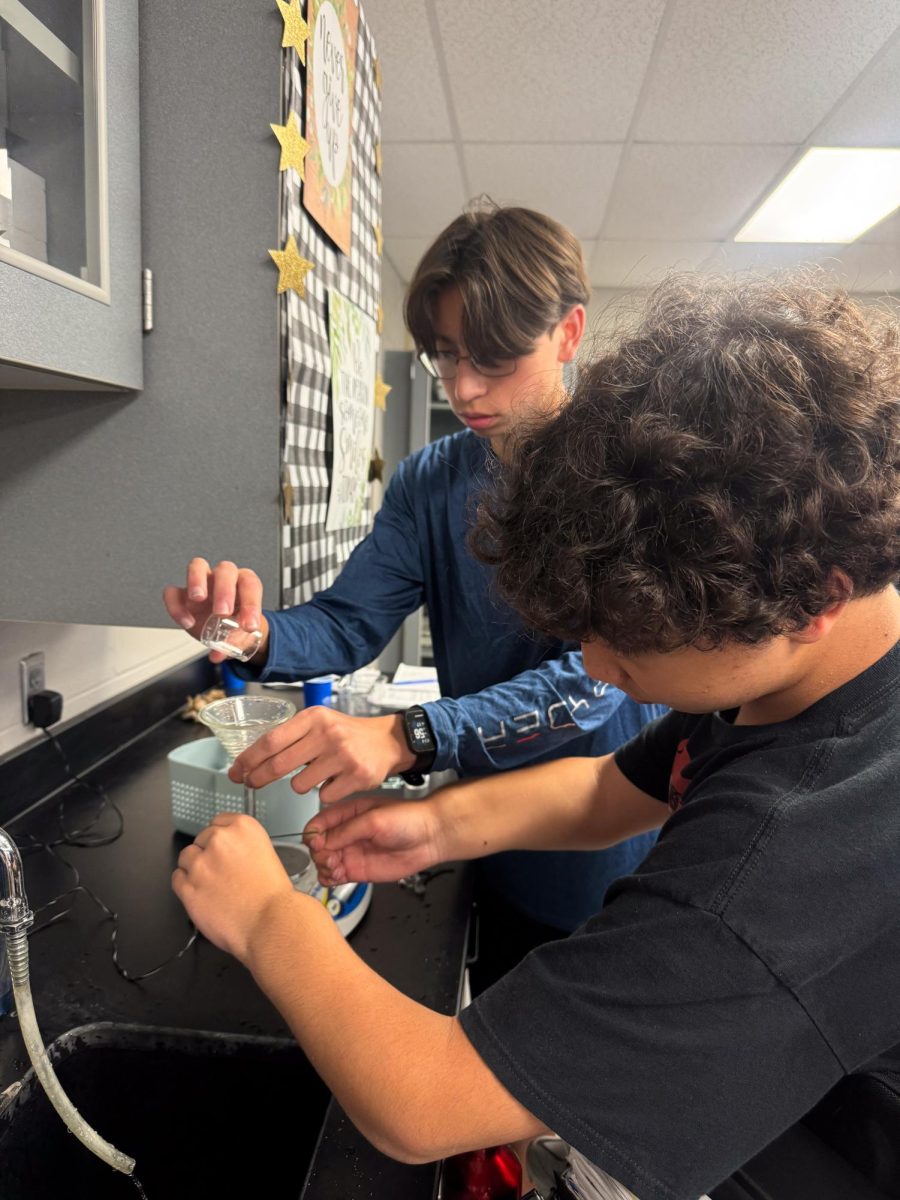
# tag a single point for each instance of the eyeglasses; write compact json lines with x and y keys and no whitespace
{"x":444,"y":364}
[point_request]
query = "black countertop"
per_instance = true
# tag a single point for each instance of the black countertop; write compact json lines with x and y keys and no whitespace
{"x":416,"y":942}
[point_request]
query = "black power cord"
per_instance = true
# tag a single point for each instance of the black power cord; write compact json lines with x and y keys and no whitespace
{"x":45,"y":708}
{"x":77,"y":887}
{"x":78,"y":837}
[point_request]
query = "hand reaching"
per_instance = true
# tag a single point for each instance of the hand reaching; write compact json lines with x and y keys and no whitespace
{"x":227,"y":878}
{"x":373,"y":839}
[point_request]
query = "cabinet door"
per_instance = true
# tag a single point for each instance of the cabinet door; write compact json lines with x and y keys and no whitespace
{"x":70,"y":259}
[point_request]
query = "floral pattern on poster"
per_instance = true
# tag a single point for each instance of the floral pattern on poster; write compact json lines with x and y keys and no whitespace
{"x":331,"y":67}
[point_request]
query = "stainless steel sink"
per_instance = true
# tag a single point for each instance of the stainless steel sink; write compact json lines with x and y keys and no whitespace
{"x":203,"y":1115}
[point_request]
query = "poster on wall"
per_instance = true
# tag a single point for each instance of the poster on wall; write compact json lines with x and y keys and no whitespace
{"x":330,"y":72}
{"x":354,"y":343}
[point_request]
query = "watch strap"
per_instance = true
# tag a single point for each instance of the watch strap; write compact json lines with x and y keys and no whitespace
{"x":413,"y":778}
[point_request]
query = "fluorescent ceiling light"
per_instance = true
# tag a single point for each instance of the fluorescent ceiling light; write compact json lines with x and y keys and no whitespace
{"x":833,"y":194}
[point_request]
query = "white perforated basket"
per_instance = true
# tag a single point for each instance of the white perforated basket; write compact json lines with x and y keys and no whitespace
{"x":201,"y":788}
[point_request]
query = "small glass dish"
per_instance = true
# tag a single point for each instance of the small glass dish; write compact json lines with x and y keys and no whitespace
{"x":225,"y":635}
{"x":298,"y":863}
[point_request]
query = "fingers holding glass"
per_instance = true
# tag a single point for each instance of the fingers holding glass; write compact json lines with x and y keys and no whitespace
{"x":225,"y":636}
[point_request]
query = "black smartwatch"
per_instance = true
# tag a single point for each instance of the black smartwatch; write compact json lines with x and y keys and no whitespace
{"x":420,"y":739}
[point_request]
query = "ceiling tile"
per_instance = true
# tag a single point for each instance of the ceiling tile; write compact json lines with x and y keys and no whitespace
{"x":523,"y":70}
{"x":768,"y":256}
{"x":632,"y":264}
{"x":760,"y":70}
{"x":887,"y":230}
{"x":612,"y":315}
{"x":423,"y":189}
{"x":870,"y":115}
{"x":570,"y":183}
{"x":867,"y":267}
{"x":690,"y":193}
{"x":414,"y":106}
{"x":859,"y":267}
{"x":405,"y":253}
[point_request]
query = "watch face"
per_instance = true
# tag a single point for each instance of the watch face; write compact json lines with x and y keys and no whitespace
{"x":419,"y":732}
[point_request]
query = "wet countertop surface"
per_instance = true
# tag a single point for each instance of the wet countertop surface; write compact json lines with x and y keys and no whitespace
{"x":417,"y":942}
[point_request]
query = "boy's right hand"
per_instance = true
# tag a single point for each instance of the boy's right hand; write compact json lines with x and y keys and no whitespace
{"x":373,"y":839}
{"x":223,"y":589}
{"x":338,"y":754}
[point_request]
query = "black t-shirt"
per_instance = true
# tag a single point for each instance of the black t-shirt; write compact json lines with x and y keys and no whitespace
{"x":751,"y":961}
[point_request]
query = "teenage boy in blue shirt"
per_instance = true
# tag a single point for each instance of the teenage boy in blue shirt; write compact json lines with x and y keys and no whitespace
{"x":497,"y":308}
{"x":716,"y":515}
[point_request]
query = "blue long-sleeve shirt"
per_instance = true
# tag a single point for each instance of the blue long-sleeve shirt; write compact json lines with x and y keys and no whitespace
{"x":508,"y":697}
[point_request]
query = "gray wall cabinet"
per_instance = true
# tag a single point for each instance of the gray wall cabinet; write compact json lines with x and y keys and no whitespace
{"x":70,"y":311}
{"x":104,"y":497}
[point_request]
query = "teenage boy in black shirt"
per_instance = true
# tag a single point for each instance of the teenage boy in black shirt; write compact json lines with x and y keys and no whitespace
{"x":716,"y":516}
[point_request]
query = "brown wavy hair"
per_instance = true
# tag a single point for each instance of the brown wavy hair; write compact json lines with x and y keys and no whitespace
{"x":519,"y":273}
{"x":725,"y":474}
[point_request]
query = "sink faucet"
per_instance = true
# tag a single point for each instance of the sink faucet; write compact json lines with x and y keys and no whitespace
{"x":15,"y":918}
{"x":15,"y":915}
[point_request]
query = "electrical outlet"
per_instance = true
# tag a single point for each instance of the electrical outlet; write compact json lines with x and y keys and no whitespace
{"x":32,"y":679}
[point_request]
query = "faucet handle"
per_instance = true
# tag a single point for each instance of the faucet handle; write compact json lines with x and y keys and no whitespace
{"x":15,"y":915}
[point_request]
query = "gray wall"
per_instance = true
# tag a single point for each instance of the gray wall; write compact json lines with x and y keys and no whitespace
{"x":104,"y":498}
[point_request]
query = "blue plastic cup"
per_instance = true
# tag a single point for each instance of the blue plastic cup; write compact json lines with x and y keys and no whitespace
{"x":317,"y":691}
{"x":233,"y":684}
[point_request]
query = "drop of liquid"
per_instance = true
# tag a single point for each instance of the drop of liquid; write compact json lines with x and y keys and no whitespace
{"x":137,"y":1183}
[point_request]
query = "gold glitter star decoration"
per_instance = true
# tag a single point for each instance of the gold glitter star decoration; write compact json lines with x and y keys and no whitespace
{"x":294,"y":147}
{"x":292,"y":267}
{"x":379,"y":320}
{"x":379,"y":239}
{"x":376,"y":467}
{"x":296,"y":30}
{"x":378,"y":157}
{"x":381,"y":392}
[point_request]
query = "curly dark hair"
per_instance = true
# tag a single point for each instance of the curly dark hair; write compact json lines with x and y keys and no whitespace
{"x":725,"y":474}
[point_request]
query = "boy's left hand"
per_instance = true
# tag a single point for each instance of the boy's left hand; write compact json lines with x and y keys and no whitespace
{"x":228,"y":878}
